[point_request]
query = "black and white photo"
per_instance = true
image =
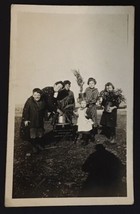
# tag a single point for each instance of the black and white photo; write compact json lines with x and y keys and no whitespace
{"x":70,"y":117}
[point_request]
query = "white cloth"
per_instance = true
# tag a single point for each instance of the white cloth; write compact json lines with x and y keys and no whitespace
{"x":55,"y":94}
{"x":83,"y":123}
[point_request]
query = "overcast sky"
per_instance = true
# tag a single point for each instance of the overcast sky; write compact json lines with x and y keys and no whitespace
{"x":48,"y":46}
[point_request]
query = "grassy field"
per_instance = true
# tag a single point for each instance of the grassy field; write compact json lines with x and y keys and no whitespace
{"x":56,"y":171}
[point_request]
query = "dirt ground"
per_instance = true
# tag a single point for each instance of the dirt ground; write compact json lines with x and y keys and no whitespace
{"x":57,"y":170}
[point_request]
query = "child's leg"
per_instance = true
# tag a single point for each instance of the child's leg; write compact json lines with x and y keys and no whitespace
{"x":85,"y":138}
{"x":112,"y":134}
{"x":34,"y":140}
{"x":109,"y":132}
{"x":55,"y":118}
{"x":93,"y":114}
{"x":103,"y":130}
{"x":76,"y":137}
{"x":92,"y":135}
{"x":113,"y":131}
{"x":40,"y":135}
{"x":106,"y":131}
{"x":94,"y":130}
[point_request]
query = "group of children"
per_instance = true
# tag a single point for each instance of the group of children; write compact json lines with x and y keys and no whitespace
{"x":87,"y":123}
{"x":35,"y":108}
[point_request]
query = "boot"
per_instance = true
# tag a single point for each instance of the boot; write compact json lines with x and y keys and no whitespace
{"x":112,"y":140}
{"x":85,"y":139}
{"x":34,"y":144}
{"x":95,"y":130}
{"x":92,"y":135}
{"x":40,"y":144}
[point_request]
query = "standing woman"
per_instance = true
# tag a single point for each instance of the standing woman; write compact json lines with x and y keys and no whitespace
{"x":91,"y":96}
{"x":110,"y":100}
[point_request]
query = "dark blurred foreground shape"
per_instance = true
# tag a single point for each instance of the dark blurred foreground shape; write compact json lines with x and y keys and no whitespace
{"x":106,"y":175}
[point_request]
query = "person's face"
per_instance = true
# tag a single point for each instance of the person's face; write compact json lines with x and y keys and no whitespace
{"x":36,"y":96}
{"x":107,"y":88}
{"x":58,"y":87}
{"x":92,"y":84}
{"x":67,"y":86}
{"x":110,"y":88}
{"x":83,"y":104}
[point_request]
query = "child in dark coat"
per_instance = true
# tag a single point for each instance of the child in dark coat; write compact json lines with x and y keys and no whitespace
{"x":110,"y":103}
{"x":33,"y":119}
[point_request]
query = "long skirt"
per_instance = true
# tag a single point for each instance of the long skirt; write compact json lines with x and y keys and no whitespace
{"x":109,"y":123}
{"x":109,"y":119}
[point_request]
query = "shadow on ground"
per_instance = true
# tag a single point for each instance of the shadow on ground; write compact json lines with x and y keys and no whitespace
{"x":57,"y":171}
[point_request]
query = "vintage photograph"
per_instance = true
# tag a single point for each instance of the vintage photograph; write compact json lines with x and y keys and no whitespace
{"x":70,"y":118}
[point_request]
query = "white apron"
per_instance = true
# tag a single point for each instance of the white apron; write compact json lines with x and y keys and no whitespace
{"x":83,"y":123}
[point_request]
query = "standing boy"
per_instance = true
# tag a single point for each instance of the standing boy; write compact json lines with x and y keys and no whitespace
{"x":33,"y":115}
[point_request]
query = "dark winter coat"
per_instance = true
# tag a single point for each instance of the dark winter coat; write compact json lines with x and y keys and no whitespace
{"x":66,"y":103}
{"x":109,"y":119}
{"x":66,"y":100}
{"x":34,"y":112}
{"x":51,"y":101}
